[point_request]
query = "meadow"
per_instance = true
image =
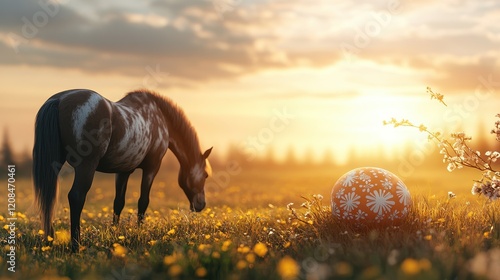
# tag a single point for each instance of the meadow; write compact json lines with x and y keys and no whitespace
{"x":250,"y":230}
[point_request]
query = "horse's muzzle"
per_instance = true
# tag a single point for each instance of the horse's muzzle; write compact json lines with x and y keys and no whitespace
{"x":198,"y":203}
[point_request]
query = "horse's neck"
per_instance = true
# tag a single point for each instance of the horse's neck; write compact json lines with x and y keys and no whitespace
{"x":182,"y":138}
{"x":181,"y":149}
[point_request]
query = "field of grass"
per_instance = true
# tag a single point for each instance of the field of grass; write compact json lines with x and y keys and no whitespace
{"x":247,"y":232}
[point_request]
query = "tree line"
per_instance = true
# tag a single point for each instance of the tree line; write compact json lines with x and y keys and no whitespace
{"x":23,"y":162}
{"x":267,"y":160}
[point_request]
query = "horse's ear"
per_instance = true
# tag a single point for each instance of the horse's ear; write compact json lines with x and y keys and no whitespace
{"x":207,"y":152}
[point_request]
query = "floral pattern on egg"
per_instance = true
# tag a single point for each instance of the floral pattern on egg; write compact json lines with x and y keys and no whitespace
{"x":370,"y":195}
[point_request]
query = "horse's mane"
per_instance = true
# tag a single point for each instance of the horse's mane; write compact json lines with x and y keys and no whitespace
{"x":176,"y":117}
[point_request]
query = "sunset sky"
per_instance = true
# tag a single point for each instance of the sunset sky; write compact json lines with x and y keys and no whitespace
{"x":338,"y":68}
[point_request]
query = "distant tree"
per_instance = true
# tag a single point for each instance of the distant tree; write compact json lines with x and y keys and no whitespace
{"x":25,"y":163}
{"x":328,"y":158}
{"x":6,"y":153}
{"x":308,"y":158}
{"x":237,"y":153}
{"x":352,"y":155}
{"x":270,"y":157}
{"x":270,"y":154}
{"x":291,"y":157}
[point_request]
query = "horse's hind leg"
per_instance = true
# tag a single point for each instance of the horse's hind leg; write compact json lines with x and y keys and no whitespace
{"x":121,"y":188}
{"x":148,"y":176}
{"x":76,"y":196}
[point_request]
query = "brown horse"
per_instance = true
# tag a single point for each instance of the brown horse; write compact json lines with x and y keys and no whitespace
{"x":93,"y":134}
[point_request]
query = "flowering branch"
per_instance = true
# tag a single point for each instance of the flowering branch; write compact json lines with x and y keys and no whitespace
{"x":496,"y":130}
{"x":458,"y":154}
{"x":438,"y":96}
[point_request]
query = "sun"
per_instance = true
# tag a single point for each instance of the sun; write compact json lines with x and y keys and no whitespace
{"x":372,"y":110}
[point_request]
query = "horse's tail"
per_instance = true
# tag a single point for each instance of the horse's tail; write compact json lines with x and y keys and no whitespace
{"x":48,"y":158}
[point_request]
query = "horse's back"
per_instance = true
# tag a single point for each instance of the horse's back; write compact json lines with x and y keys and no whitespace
{"x":140,"y":134}
{"x":85,"y":124}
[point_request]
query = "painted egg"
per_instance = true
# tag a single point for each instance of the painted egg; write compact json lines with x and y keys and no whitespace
{"x":370,"y":195}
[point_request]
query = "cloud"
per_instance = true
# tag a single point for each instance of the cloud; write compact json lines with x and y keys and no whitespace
{"x":186,"y":47}
{"x":41,"y":14}
{"x":197,"y":40}
{"x":460,"y":77}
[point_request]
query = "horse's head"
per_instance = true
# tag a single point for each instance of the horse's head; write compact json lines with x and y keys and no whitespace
{"x":192,"y":181}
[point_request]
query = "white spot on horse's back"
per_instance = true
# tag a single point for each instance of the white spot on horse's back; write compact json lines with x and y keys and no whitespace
{"x":137,"y":135}
{"x":124,"y":113}
{"x":82,"y":113}
{"x":161,"y":141}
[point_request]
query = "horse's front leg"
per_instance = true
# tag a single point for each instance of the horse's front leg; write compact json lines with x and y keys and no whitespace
{"x":76,"y":196}
{"x":121,"y":181}
{"x":148,"y":176}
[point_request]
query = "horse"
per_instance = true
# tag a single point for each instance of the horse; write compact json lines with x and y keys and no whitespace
{"x":92,"y":133}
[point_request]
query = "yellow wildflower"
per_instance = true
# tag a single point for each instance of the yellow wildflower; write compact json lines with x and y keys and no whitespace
{"x":62,"y":237}
{"x":288,"y":268}
{"x":225,"y":245}
{"x":243,"y":249}
{"x":168,"y":260}
{"x":370,"y":272}
{"x":203,"y":247}
{"x":20,"y":215}
{"x":250,"y":258}
{"x":425,"y":264}
{"x":343,"y":269}
{"x":175,"y":270}
{"x":260,"y":249}
{"x":241,"y":264}
{"x":201,"y":272}
{"x":410,"y":266}
{"x":119,"y":250}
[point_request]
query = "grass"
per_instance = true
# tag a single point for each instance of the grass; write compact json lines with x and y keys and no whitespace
{"x":247,"y":232}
